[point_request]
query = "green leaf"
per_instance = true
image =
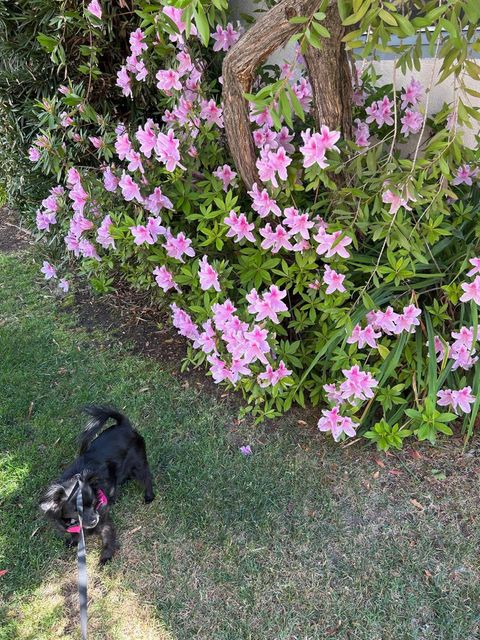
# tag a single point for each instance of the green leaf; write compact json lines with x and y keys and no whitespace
{"x":201,"y":23}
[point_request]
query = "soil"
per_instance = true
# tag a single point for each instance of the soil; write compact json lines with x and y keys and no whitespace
{"x":12,"y":235}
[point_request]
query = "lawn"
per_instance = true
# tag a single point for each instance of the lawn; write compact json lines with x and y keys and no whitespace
{"x":302,"y":540}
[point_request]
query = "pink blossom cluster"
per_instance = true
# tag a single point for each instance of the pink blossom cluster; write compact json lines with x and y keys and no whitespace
{"x":461,"y":350}
{"x":46,"y":216}
{"x":380,"y":112}
{"x":79,"y":224}
{"x":472,"y":289}
{"x":457,"y":400}
{"x":464,"y":175}
{"x":267,"y":305}
{"x":225,"y":38}
{"x":315,"y":146}
{"x":50,"y":273}
{"x":395,"y":323}
{"x":332,"y":421}
{"x":134,"y":64}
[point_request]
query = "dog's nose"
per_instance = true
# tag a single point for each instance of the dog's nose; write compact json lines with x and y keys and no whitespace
{"x":92,"y":522}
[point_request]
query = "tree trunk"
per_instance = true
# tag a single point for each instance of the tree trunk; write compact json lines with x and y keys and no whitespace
{"x":330,"y":76}
{"x":328,"y":69}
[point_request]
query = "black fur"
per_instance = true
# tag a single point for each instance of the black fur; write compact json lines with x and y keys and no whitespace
{"x":107,"y":459}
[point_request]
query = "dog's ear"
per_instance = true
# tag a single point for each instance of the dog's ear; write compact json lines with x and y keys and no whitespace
{"x":53,"y":498}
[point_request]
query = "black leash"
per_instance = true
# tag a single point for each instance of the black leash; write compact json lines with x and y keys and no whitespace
{"x":82,"y":566}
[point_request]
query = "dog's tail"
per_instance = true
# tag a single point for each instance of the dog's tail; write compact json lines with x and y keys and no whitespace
{"x":98,"y":417}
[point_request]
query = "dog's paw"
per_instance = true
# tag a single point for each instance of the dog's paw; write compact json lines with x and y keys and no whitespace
{"x":149,"y":497}
{"x":104,"y":559}
{"x":71,"y":542}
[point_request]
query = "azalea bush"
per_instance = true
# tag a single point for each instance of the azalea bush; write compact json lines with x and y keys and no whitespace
{"x":347,"y":276}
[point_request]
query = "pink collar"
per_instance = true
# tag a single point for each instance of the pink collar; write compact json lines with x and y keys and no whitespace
{"x":102,"y":500}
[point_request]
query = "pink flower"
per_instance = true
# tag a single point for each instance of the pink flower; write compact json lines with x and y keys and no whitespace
{"x":298,"y":223}
{"x":178,"y":246}
{"x":364,"y":336}
{"x":224,"y":38}
{"x":334,"y":281}
{"x":65,"y":119}
{"x":147,"y":138}
{"x":226,"y":175}
{"x":408,"y":320}
{"x":284,"y":138}
{"x":256,"y":345}
{"x":357,"y":385}
{"x":475,"y":262}
{"x":386,"y":321}
{"x":246,"y":450}
{"x":110,"y":180}
{"x":164,"y":279}
{"x":137,"y":43}
{"x":184,"y":323}
{"x":48,"y":270}
{"x":157,"y":201}
{"x":96,"y":142}
{"x":167,"y":150}
{"x":462,"y":399}
{"x":206,"y":340}
{"x":175,"y":16}
{"x":44,"y":220}
{"x":464,"y":175}
{"x":330,"y":244}
{"x":270,"y":163}
{"x":73,"y":177}
{"x":472,"y":291}
{"x":413,"y":94}
{"x":134,"y":162}
{"x":185,"y":61}
{"x":316,"y":145}
{"x":222,"y":313}
{"x":334,"y":395}
{"x":130,"y":189}
{"x":275,"y":240}
{"x":168,"y":79}
{"x":218,"y":369}
{"x":123,"y":146}
{"x":95,"y":9}
{"x":141,"y":235}
{"x":211,"y":113}
{"x":64,"y":285}
{"x":263,"y":204}
{"x":124,"y":81}
{"x":337,"y":424}
{"x":362,"y":133}
{"x":79,"y":197}
{"x":239,"y":227}
{"x":270,"y":377}
{"x":268,"y":305}
{"x":262,"y":117}
{"x":412,"y":122}
{"x":34,"y":154}
{"x":103,"y":235}
{"x":208,"y":276}
{"x":380,"y":112}
{"x":396,"y":201}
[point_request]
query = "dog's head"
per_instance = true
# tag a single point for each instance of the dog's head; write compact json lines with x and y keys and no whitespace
{"x":60,"y":502}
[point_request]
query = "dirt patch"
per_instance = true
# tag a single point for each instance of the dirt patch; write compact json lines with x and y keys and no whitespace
{"x":13,"y":237}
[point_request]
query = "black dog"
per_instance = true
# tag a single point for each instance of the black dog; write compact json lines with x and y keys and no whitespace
{"x":106,"y":460}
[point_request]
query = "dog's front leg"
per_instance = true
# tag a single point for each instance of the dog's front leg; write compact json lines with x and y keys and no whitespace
{"x":107,"y":533}
{"x":72,"y":540}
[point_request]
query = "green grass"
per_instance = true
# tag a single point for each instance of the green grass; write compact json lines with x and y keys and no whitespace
{"x":301,"y":540}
